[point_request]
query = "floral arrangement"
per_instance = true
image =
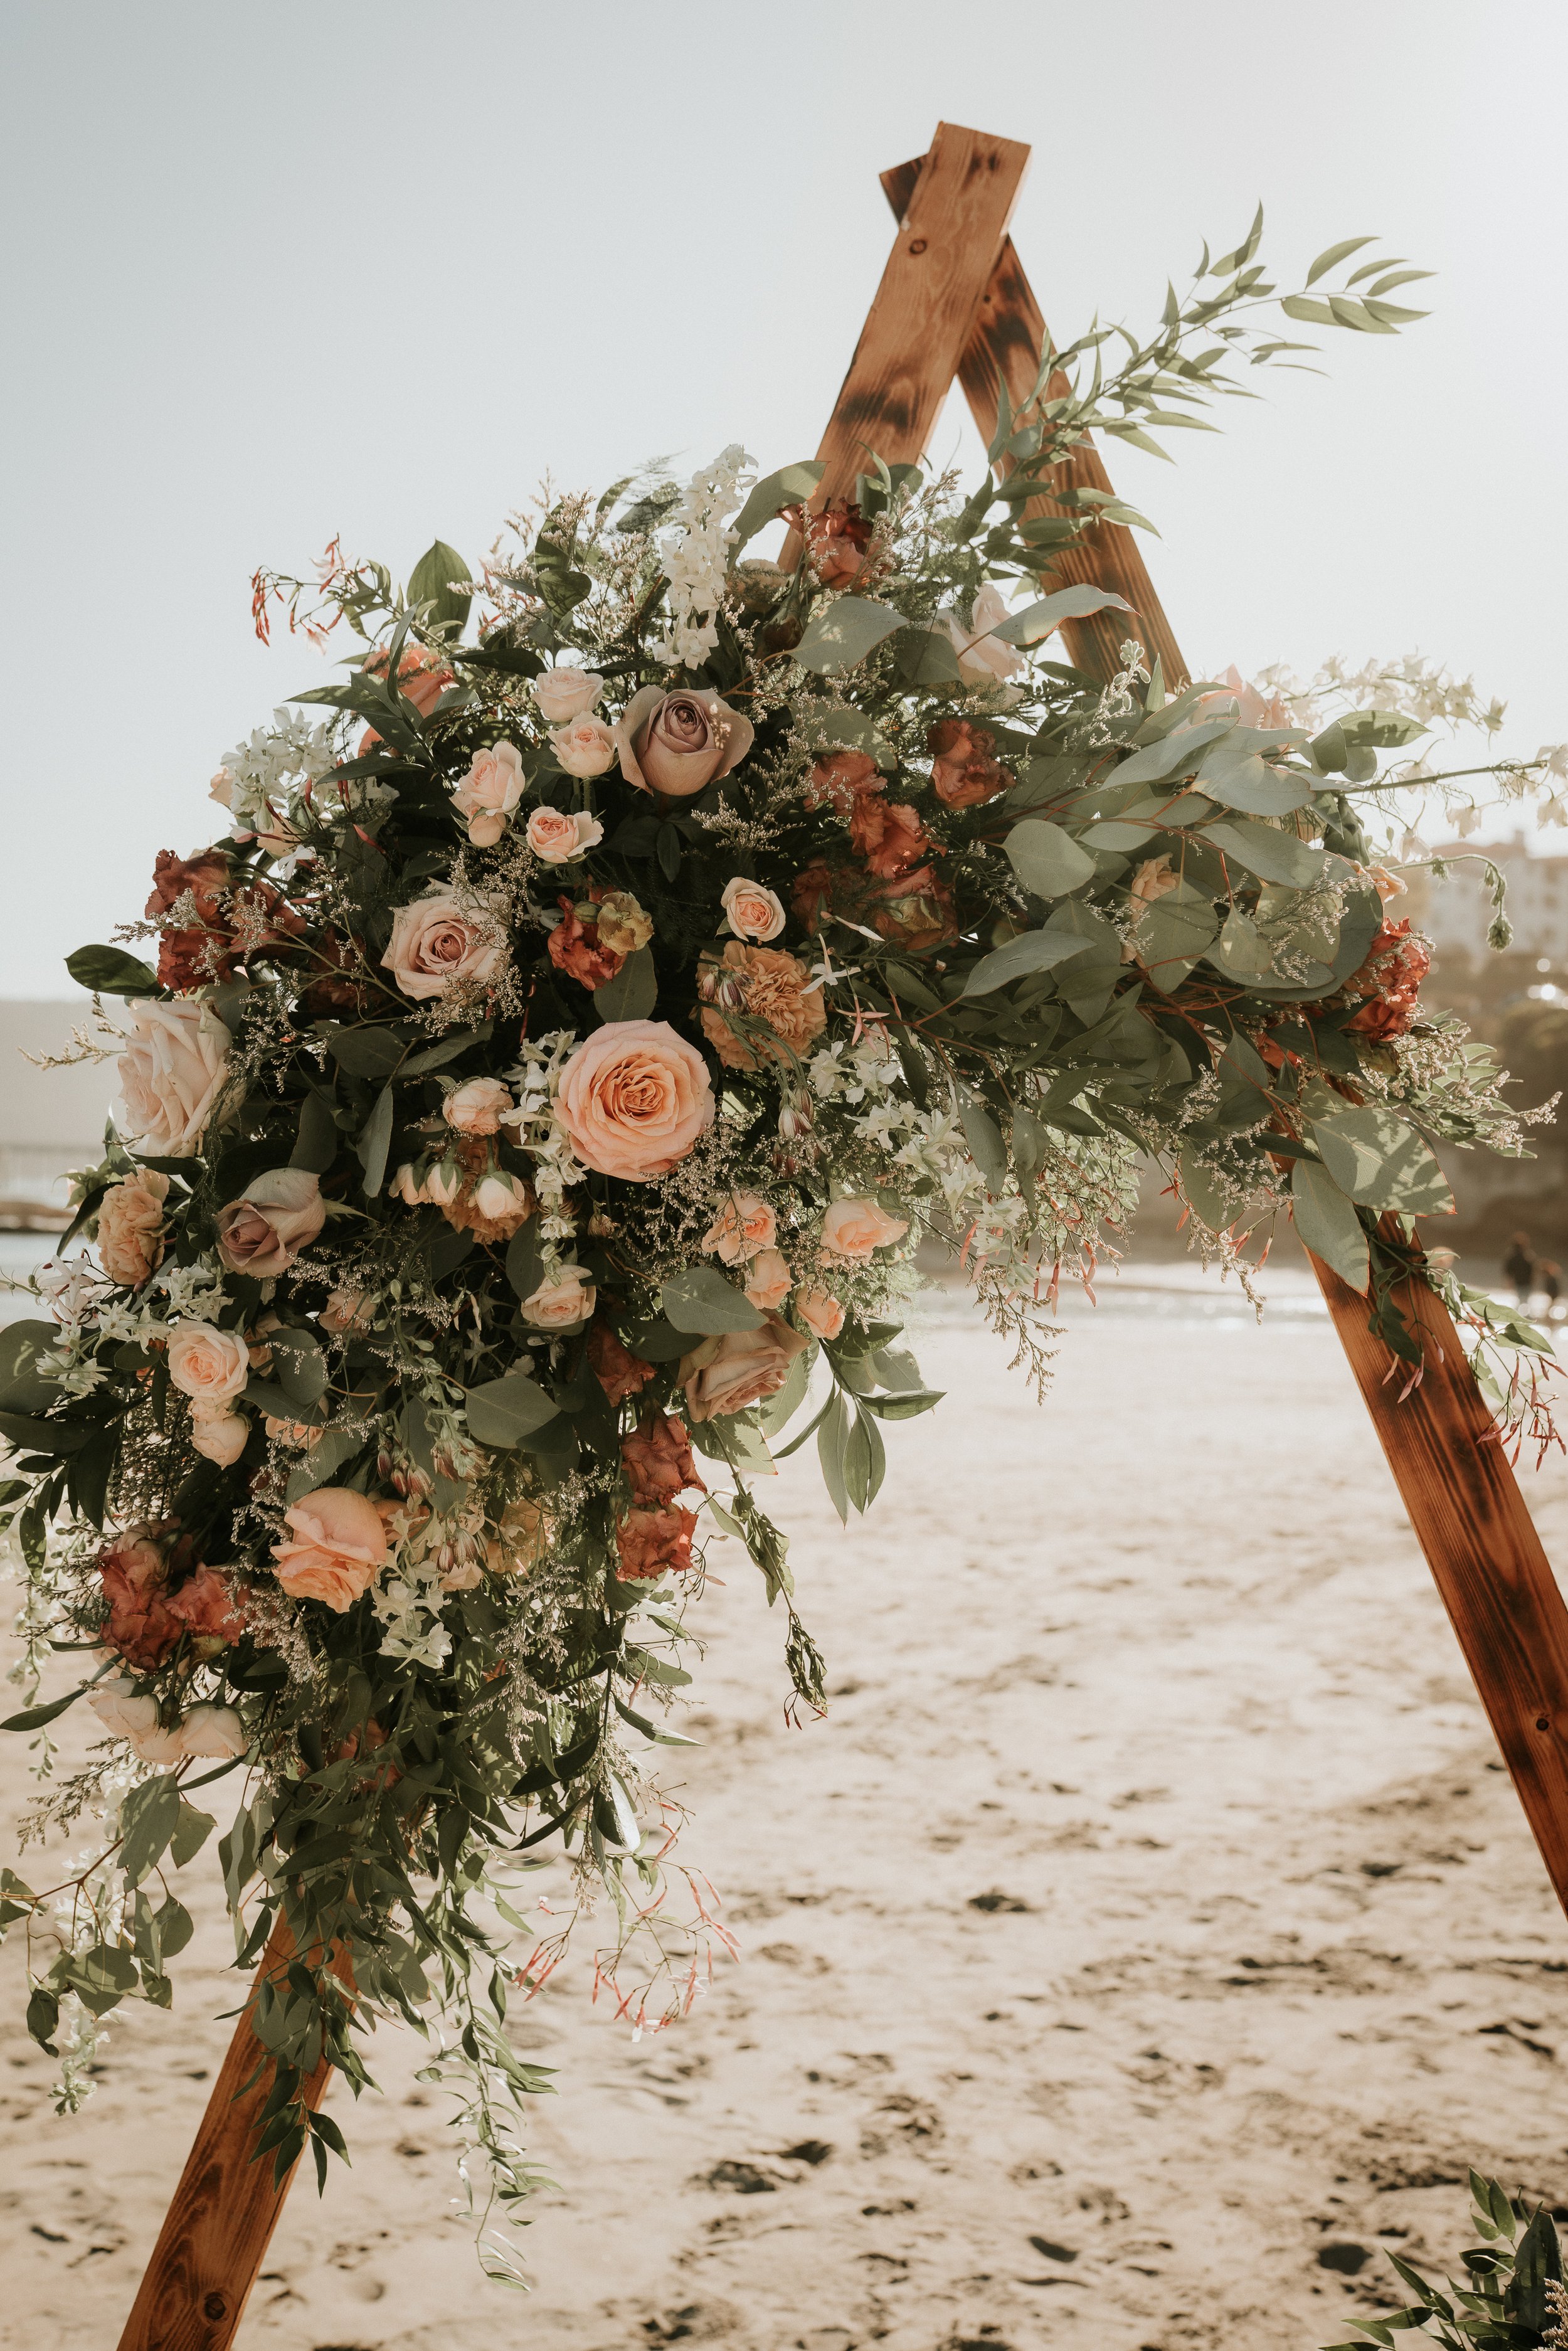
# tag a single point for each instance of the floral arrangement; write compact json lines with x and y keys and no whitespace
{"x":534,"y":1111}
{"x":1512,"y":2298}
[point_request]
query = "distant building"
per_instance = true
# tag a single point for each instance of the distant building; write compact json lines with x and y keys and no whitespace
{"x":1456,"y":915}
{"x":50,"y":1120}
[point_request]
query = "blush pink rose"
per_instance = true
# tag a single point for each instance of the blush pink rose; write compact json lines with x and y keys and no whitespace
{"x":207,"y":1364}
{"x":477,"y":1107}
{"x":743,"y":1225}
{"x":489,"y":792}
{"x":557,"y":835}
{"x":586,"y":747}
{"x":131,"y":1228}
{"x":634,"y":1099}
{"x":752,"y":912}
{"x":724,"y":1376}
{"x":172,"y":1071}
{"x":768,"y":1280}
{"x":275,"y":1217}
{"x":820,"y":1313}
{"x":434,"y":943}
{"x":563,"y":694}
{"x":560,"y":1305}
{"x":219,"y":1435}
{"x":678,"y":744}
{"x":852,"y":1231}
{"x":338,"y":1546}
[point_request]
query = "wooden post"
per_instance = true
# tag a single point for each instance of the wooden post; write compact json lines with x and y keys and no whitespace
{"x":216,"y":2232}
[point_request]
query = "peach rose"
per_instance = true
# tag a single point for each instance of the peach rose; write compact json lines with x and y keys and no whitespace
{"x":206,"y":1364}
{"x":560,"y":1305}
{"x":501,"y":1203}
{"x":130,"y":1227}
{"x":586,"y":747}
{"x":983,"y":659}
{"x":840,"y":779}
{"x":217,"y":1435}
{"x":658,"y":1458}
{"x":634,"y":1099}
{"x":654,"y":1542}
{"x":422,"y":678}
{"x":767,"y":985}
{"x":821,"y":1312}
{"x":725,"y":1375}
{"x":752,"y":912}
{"x":768,"y":1280}
{"x":743,"y":1226}
{"x":489,"y":792}
{"x":349,"y":1310}
{"x":338,"y":1547}
{"x":619,"y":1372}
{"x":434,"y":943}
{"x":852,"y":1231}
{"x":557,"y":835}
{"x":678,"y":744}
{"x":478,"y":1106}
{"x":275,"y":1217}
{"x":172,"y":1071}
{"x":563,"y":694}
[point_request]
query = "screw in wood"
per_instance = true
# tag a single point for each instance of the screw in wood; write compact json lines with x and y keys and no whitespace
{"x":918,"y":246}
{"x":214,"y":2307}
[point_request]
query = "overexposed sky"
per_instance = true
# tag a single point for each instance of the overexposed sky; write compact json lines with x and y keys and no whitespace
{"x":310,"y":268}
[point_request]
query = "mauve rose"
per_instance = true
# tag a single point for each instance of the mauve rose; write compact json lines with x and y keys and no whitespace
{"x":634,"y":1099}
{"x":352,"y":1310}
{"x":586,"y":747}
{"x":821,"y":1312}
{"x":489,"y":792}
{"x":562,"y":1303}
{"x":852,"y":1231}
{"x":207,"y":1364}
{"x":130,"y":1227}
{"x":619,"y":1372}
{"x":889,"y":835}
{"x":172,"y":1071}
{"x":557,"y":835}
{"x":434,"y":943}
{"x":743,"y":1225}
{"x":725,"y":1375}
{"x":965,"y":770}
{"x":678,"y":744}
{"x":218,"y":1436}
{"x":658,"y":1458}
{"x":752,"y":912}
{"x":478,"y":1106}
{"x":275,"y":1217}
{"x":654,"y":1542}
{"x":768,"y":1280}
{"x":338,"y":1547}
{"x":563,"y":694}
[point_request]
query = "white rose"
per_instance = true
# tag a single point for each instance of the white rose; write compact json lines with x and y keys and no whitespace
{"x":214,"y":1730}
{"x":558,"y":1305}
{"x":208,"y":1363}
{"x":563,"y":694}
{"x":218,"y":1436}
{"x":586,"y":747}
{"x":983,"y":659}
{"x":170,"y":1073}
{"x":125,"y":1716}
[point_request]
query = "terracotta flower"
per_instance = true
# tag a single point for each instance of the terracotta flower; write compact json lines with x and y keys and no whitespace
{"x":889,"y":835}
{"x":840,"y":779}
{"x":576,"y":946}
{"x":965,"y":769}
{"x":1390,"y":979}
{"x":658,"y":1458}
{"x":765,"y":984}
{"x":837,"y":539}
{"x":654,"y":1542}
{"x":619,"y":1372}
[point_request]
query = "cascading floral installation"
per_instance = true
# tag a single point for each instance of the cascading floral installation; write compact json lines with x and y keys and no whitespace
{"x":533,"y":1114}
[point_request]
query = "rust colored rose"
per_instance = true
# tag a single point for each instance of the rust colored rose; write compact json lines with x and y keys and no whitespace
{"x":842,"y":779}
{"x":837,"y":537}
{"x":205,"y":1606}
{"x":654,"y":1542}
{"x":965,"y":769}
{"x":678,"y":744}
{"x":130,"y":1227}
{"x":619,"y":1372}
{"x":575,"y":946}
{"x":1390,"y":979}
{"x":658,"y":1458}
{"x":331,"y":990}
{"x":916,"y":911}
{"x":206,"y":878}
{"x":889,"y":835}
{"x":140,"y":1624}
{"x":767,"y":985}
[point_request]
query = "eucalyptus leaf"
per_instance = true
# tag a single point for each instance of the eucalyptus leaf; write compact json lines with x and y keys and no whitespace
{"x":985,"y":1141}
{"x":1241,"y":779}
{"x":633,"y":991}
{"x":1180,"y":752}
{"x":700,"y":1299}
{"x":1036,"y":620}
{"x":926,"y":658}
{"x":109,"y":971}
{"x":1046,"y":860}
{"x":366,"y":1052}
{"x":375,"y":1142}
{"x":503,"y":1412}
{"x":1031,"y":951}
{"x":849,"y":629}
{"x":1172,"y":933}
{"x":1327,"y":1222}
{"x":791,"y":485}
{"x":1381,"y":1161}
{"x":1265,"y":850}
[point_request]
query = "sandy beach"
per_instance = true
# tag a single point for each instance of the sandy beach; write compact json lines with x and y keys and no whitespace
{"x":1147,"y":1938}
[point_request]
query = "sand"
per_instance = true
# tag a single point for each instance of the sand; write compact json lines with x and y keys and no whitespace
{"x":1147,"y":1938}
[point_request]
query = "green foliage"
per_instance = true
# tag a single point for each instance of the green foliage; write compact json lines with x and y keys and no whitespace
{"x":1511,"y":2298}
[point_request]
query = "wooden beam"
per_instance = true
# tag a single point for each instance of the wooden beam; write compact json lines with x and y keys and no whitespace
{"x":1481,"y":1545}
{"x":1004,"y":346}
{"x":217,"y":2230}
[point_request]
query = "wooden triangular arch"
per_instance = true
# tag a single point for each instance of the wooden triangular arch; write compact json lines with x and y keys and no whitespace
{"x":954,"y":305}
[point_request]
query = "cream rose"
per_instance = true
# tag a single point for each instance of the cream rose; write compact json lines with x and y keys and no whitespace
{"x":768,"y":1280}
{"x":820,"y":1313}
{"x":124,"y":1715}
{"x":503,"y":1199}
{"x":338,"y":1546}
{"x":170,"y":1074}
{"x":752,"y":912}
{"x":477,"y":1107}
{"x":434,"y":943}
{"x":634,"y":1100}
{"x":743,"y":1225}
{"x":214,"y":1730}
{"x":218,"y":1434}
{"x":563,"y":694}
{"x":560,"y":1305}
{"x":724,"y":1376}
{"x":207,"y":1364}
{"x":275,"y":1217}
{"x":679,"y":743}
{"x":489,"y":792}
{"x":557,"y":835}
{"x":131,"y":1228}
{"x":586,"y":747}
{"x":852,"y":1231}
{"x":983,"y":659}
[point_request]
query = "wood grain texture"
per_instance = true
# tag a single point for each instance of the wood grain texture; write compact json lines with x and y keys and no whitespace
{"x":1481,"y":1545}
{"x":217,"y":2230}
{"x":1004,"y":346}
{"x":916,"y":331}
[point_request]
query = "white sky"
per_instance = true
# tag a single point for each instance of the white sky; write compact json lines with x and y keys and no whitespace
{"x":368,"y":267}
